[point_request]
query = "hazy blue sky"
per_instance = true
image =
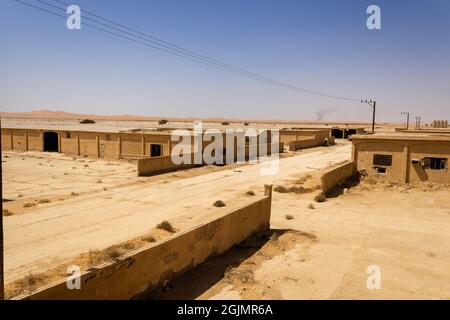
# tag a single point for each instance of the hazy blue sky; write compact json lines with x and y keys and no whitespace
{"x":320,"y":45}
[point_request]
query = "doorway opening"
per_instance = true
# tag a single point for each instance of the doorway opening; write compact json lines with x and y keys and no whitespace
{"x":51,"y":142}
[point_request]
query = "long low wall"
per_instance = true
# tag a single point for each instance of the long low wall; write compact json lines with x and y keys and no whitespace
{"x":156,"y":165}
{"x":337,"y":175}
{"x":306,"y":143}
{"x":146,"y":269}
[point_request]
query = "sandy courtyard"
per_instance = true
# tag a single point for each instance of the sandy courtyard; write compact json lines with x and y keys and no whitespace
{"x":323,"y":253}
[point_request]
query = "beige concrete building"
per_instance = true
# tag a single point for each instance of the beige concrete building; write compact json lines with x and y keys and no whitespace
{"x":131,"y":144}
{"x":406,"y":158}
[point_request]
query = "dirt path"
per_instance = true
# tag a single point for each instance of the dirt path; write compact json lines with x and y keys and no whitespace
{"x":52,"y":233}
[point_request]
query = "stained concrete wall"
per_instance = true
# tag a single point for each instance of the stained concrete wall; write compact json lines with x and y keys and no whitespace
{"x":367,"y":150}
{"x":420,"y":151}
{"x":149,"y":267}
{"x":306,"y":142}
{"x":287,"y":136}
{"x":155,"y":165}
{"x":35,"y":140}
{"x":6,"y":139}
{"x":336,"y":176}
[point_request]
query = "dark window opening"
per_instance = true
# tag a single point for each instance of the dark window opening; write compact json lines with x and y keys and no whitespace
{"x":350,"y":132}
{"x":436,"y":163}
{"x":68,"y":135}
{"x":155,"y":150}
{"x":380,"y":169}
{"x":108,"y":137}
{"x":337,"y":133}
{"x":382,"y":160}
{"x":51,"y":142}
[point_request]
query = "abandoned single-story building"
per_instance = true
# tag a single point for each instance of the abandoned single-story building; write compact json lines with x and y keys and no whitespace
{"x":131,"y":144}
{"x":406,"y":158}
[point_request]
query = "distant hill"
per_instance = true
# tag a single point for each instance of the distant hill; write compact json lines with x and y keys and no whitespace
{"x":49,"y":114}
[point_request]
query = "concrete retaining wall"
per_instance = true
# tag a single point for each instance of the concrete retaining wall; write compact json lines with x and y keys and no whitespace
{"x":155,"y":165}
{"x":310,"y":142}
{"x":337,"y":175}
{"x":149,"y":267}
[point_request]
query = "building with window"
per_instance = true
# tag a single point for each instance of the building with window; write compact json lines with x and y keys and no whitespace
{"x":406,"y":158}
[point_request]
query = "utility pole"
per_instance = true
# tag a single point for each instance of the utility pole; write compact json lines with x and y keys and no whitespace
{"x":2,"y":274}
{"x":373,"y":104}
{"x":418,"y":119}
{"x":407,"y":119}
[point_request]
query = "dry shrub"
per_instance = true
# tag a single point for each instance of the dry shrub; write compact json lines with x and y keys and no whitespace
{"x":73,"y":193}
{"x":7,"y":212}
{"x":250,"y":193}
{"x":27,"y":284}
{"x":165,"y":225}
{"x":320,"y":198}
{"x":304,"y":179}
{"x":281,"y":189}
{"x":44,"y":201}
{"x":219,"y":203}
{"x":225,"y":123}
{"x":149,"y":239}
{"x":299,"y":189}
{"x":289,"y":217}
{"x":29,"y":204}
{"x":311,"y":206}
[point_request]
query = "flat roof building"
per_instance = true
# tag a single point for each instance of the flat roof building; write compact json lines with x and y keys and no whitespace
{"x":403,"y":157}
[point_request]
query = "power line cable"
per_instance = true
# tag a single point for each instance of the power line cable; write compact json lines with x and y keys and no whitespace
{"x":167,"y":47}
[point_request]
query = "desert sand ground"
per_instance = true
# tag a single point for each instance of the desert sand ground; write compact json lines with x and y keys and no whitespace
{"x":80,"y":214}
{"x":323,"y":253}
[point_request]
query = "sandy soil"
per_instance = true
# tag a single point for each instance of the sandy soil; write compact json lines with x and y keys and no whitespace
{"x":98,"y":215}
{"x":323,"y":253}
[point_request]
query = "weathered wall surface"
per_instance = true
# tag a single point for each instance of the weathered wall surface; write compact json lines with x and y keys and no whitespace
{"x":147,"y":268}
{"x":109,"y":146}
{"x":420,"y":151}
{"x":301,"y":139}
{"x":19,"y":140}
{"x":337,"y":175}
{"x":69,"y":143}
{"x":6,"y":139}
{"x":366,"y":150}
{"x":35,"y":140}
{"x":88,"y":144}
{"x":155,"y":165}
{"x":306,"y":142}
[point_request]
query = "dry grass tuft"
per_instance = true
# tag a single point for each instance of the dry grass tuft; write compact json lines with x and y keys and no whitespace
{"x":7,"y":212}
{"x":281,"y":189}
{"x":289,"y":217}
{"x":27,"y":284}
{"x":29,"y":204}
{"x":299,"y":189}
{"x":44,"y":201}
{"x":165,"y":225}
{"x":149,"y":239}
{"x":311,"y":206}
{"x":219,"y":203}
{"x":73,"y":193}
{"x":320,"y":198}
